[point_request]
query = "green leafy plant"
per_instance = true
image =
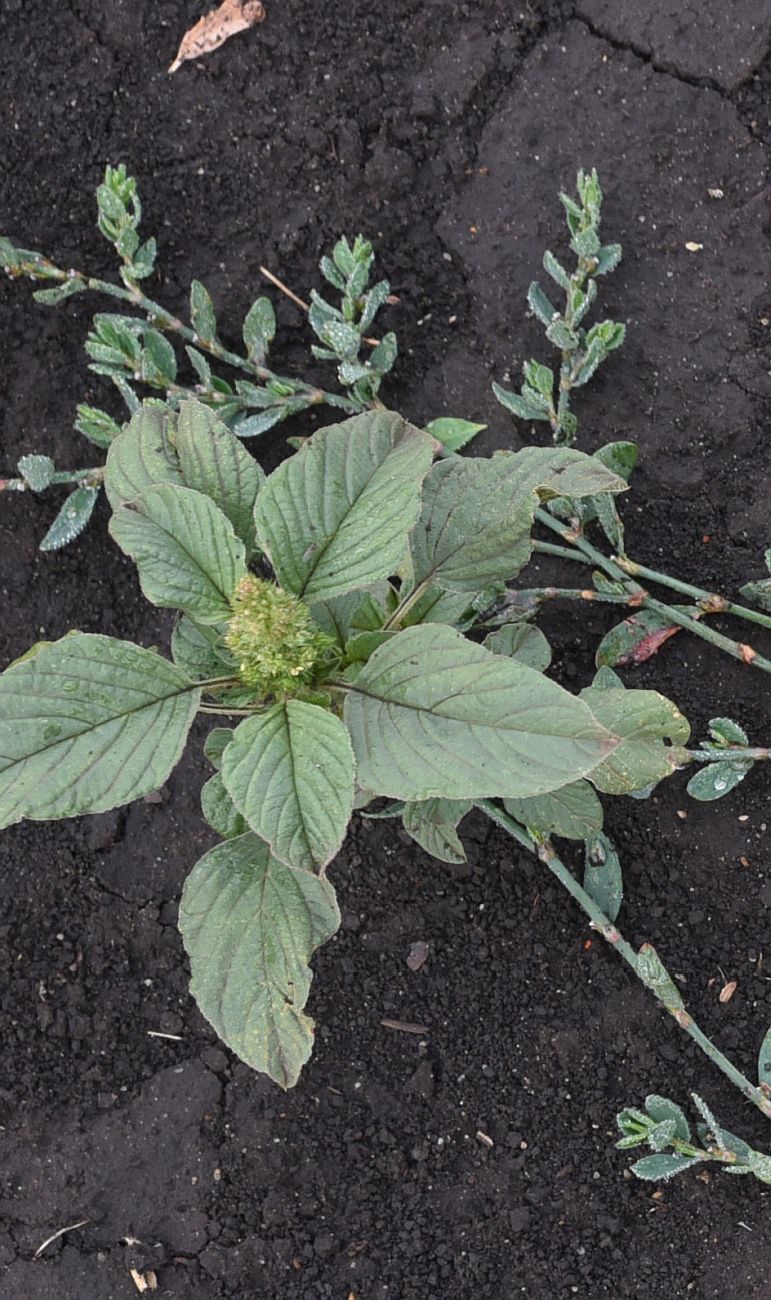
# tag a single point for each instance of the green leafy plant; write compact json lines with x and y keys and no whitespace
{"x":664,"y":1128}
{"x":351,"y":623}
{"x":545,"y":395}
{"x":136,"y":352}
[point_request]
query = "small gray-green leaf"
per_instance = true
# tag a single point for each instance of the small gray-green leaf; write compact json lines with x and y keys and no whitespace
{"x":574,"y":811}
{"x":453,"y":433}
{"x":87,"y":724}
{"x":202,"y":312}
{"x":336,"y":516}
{"x":259,"y":329}
{"x":290,"y":773}
{"x":657,"y":1169}
{"x":603,"y":880}
{"x":764,"y":1061}
{"x":433,"y":825}
{"x":216,"y":743}
{"x":72,"y":518}
{"x":661,"y":1108}
{"x":213,"y":461}
{"x":727,"y":732}
{"x":717,"y":779}
{"x":37,"y":471}
{"x":185,"y":549}
{"x":250,"y":925}
{"x":432,"y":715}
{"x":519,"y":405}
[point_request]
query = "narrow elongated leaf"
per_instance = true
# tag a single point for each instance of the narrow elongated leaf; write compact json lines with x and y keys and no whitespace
{"x":432,"y":715}
{"x":764,"y":1061}
{"x":657,"y":1169}
{"x":213,"y":461}
{"x":434,"y":826}
{"x":603,"y":880}
{"x":638,"y":638}
{"x":290,"y":773}
{"x":87,"y":724}
{"x":474,"y":529}
{"x":250,"y":925}
{"x":202,"y":312}
{"x":141,"y":455}
{"x":185,"y":549}
{"x":336,"y":516}
{"x":574,"y":811}
{"x":651,"y":730}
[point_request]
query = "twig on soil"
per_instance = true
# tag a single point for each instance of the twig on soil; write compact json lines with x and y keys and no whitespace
{"x":59,"y":1233}
{"x":293,"y":297}
{"x":645,"y":964}
{"x":156,"y":1033}
{"x":404,"y":1026}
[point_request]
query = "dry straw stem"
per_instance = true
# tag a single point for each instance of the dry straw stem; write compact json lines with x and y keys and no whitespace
{"x":216,"y":27}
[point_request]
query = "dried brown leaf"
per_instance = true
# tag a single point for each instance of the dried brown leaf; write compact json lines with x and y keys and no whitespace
{"x":218,"y":26}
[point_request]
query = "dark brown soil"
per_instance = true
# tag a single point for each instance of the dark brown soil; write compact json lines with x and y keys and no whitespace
{"x":443,"y":132}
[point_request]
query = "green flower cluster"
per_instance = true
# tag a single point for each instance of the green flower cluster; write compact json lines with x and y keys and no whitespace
{"x":273,"y":638}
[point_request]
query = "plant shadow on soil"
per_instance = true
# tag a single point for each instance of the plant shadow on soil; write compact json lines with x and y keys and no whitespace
{"x":443,"y":132}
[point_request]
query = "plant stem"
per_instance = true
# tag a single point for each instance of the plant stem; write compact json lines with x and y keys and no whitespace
{"x":84,"y":477}
{"x":406,"y":605}
{"x":711,"y":602}
{"x":730,"y":755}
{"x":161,"y":319}
{"x":737,"y":649}
{"x":546,"y":854}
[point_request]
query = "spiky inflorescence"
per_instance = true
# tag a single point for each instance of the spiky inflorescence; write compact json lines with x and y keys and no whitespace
{"x":276,"y":644}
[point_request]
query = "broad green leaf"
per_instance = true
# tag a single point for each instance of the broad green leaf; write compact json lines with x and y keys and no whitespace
{"x":474,"y":529}
{"x":219,"y":810}
{"x":290,"y":773}
{"x":72,"y":518}
{"x":659,"y":1168}
{"x":88,"y":724}
{"x":185,"y":549}
{"x":141,"y":456}
{"x":200,"y":651}
{"x":250,"y":925}
{"x":603,"y":880}
{"x":574,"y":811}
{"x":453,"y":433}
{"x":764,"y":1061}
{"x":521,"y":641}
{"x":661,"y":1108}
{"x":213,"y":461}
{"x":433,"y":825}
{"x":717,"y":779}
{"x":651,"y":728}
{"x":336,"y":516}
{"x":432,"y":715}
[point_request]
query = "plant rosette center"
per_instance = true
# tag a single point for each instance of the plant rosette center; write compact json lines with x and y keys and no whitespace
{"x":277,"y":646}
